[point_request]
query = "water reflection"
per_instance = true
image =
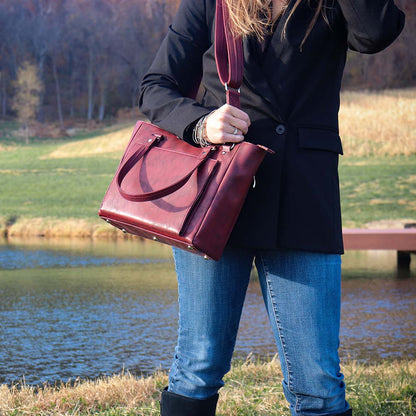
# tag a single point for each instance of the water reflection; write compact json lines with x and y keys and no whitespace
{"x":16,"y":258}
{"x":93,"y":318}
{"x":379,"y":318}
{"x":62,"y":323}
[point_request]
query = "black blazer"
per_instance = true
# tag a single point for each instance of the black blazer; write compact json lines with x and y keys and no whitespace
{"x":292,"y":98}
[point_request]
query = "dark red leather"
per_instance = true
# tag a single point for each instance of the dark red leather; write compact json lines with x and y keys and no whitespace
{"x":179,"y":194}
{"x":228,"y":56}
{"x":189,"y":163}
{"x":170,"y":191}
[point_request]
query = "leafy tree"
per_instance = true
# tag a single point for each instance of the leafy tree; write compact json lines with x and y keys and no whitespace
{"x":28,"y":90}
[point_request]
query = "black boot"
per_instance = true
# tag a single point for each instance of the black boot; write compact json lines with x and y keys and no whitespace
{"x":347,"y":413}
{"x":173,"y":404}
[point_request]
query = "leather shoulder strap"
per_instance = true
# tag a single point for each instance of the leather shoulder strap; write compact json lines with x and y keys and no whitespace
{"x":228,"y":55}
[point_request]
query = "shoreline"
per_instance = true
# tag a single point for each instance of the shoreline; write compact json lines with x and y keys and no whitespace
{"x":39,"y":227}
{"x":82,"y":228}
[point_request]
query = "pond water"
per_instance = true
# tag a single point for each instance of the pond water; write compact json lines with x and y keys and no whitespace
{"x":82,"y":309}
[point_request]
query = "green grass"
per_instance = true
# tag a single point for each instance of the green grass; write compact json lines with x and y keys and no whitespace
{"x":35,"y":186}
{"x":60,"y":188}
{"x":378,"y":189}
{"x":6,"y":130}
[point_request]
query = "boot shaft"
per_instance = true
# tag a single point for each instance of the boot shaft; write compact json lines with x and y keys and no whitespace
{"x":173,"y":404}
{"x":347,"y":413}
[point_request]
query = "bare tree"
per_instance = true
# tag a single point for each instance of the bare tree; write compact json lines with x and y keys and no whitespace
{"x":91,"y":54}
{"x":391,"y":68}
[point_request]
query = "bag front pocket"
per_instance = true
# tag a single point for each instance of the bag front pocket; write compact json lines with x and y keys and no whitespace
{"x":158,"y":170}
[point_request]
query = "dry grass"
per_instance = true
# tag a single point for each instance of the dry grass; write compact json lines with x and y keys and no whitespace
{"x":378,"y":123}
{"x":253,"y":389}
{"x":3,"y":227}
{"x":53,"y":227}
{"x":112,"y":143}
{"x":371,"y":123}
{"x":386,"y":389}
{"x":123,"y":392}
{"x":256,"y":388}
{"x":6,"y":148}
{"x":60,"y":228}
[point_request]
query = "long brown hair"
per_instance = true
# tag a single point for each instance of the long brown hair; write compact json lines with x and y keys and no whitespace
{"x":254,"y":17}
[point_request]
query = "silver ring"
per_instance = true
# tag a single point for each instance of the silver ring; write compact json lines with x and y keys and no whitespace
{"x":235,"y":130}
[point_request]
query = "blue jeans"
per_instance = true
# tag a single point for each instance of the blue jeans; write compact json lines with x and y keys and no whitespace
{"x":301,"y":292}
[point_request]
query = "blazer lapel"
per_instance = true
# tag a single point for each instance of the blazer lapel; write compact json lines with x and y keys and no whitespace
{"x":263,"y":77}
{"x":256,"y":78}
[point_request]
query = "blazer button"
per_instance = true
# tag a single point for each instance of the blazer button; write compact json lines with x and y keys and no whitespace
{"x":280,"y":129}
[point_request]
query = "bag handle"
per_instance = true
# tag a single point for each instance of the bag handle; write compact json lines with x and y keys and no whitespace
{"x":160,"y":193}
{"x":228,"y":55}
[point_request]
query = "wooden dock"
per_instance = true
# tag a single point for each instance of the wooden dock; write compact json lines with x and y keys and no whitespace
{"x":402,"y":240}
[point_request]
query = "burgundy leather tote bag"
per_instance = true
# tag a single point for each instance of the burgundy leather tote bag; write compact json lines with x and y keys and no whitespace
{"x":170,"y":191}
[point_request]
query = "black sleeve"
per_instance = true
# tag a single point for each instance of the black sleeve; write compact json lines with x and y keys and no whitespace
{"x":176,"y":72}
{"x":188,"y":132}
{"x":372,"y":25}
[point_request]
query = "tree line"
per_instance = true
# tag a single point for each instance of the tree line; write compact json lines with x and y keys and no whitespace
{"x":90,"y":55}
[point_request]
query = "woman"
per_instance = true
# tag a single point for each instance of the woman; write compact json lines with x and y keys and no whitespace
{"x":290,"y":225}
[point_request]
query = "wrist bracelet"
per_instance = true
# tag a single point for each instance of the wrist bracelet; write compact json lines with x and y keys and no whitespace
{"x":199,"y":134}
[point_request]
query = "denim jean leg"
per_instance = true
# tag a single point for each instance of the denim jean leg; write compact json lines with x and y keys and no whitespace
{"x":301,"y":291}
{"x":211,"y":297}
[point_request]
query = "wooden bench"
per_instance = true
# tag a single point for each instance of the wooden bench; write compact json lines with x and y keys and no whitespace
{"x":403,"y":240}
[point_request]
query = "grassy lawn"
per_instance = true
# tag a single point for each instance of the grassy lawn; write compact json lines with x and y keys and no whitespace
{"x":32,"y":185}
{"x":251,"y":389}
{"x":68,"y":187}
{"x":55,"y":180}
{"x":375,"y":189}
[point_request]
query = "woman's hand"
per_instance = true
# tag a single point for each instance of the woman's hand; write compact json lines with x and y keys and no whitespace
{"x":228,"y":124}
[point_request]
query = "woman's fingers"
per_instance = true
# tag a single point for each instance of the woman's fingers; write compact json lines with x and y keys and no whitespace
{"x":235,"y":117}
{"x":227,"y":138}
{"x":228,"y":124}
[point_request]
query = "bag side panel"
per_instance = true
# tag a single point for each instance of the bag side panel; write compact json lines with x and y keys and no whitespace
{"x":217,"y":225}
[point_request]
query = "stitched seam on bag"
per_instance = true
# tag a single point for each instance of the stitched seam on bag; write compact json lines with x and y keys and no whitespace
{"x":178,"y":152}
{"x":197,"y":201}
{"x":131,"y":140}
{"x":222,"y":180}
